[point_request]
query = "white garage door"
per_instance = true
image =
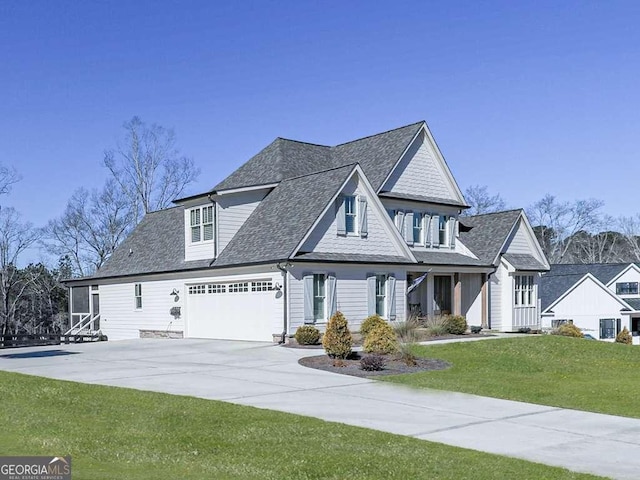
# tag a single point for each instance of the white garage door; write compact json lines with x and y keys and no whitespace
{"x":232,"y":311}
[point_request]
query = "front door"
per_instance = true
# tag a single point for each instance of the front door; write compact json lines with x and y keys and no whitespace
{"x":442,"y":294}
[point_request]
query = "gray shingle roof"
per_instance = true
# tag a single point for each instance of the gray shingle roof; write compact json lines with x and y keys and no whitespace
{"x":489,"y":233}
{"x":156,"y":245}
{"x":352,"y":257}
{"x":423,"y":198}
{"x":284,"y":159}
{"x":633,"y":303}
{"x":271,"y":232}
{"x":447,"y":258}
{"x":562,"y":277}
{"x":525,"y":262}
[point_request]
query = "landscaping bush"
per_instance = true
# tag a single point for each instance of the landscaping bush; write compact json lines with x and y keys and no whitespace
{"x":524,"y":330}
{"x":337,"y":339}
{"x":475,"y":329}
{"x":455,"y":324}
{"x":406,"y":355}
{"x":568,"y":330}
{"x":382,"y":339}
{"x":406,"y":331}
{"x":370,"y":323}
{"x":624,"y":337}
{"x":434,"y":326}
{"x":372,"y":363}
{"x":307,"y":335}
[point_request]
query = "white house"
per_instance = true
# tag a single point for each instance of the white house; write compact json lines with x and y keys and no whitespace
{"x":600,"y":299}
{"x":300,"y":231}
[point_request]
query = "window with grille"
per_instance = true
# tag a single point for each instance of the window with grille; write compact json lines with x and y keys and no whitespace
{"x":523,"y":295}
{"x":239,"y":287}
{"x":627,"y":288}
{"x":138,"y":296}
{"x":201,"y":221}
{"x":262,"y":286}
{"x":381,"y":294}
{"x":216,"y":288}
{"x":350,"y":214}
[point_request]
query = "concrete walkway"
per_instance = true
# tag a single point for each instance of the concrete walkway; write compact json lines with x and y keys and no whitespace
{"x":267,"y":376}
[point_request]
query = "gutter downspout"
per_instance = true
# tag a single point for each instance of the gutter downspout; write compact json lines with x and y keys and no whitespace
{"x":495,"y":269}
{"x":285,"y":318}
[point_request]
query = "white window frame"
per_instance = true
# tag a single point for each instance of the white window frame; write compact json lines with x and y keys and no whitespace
{"x":626,"y":285}
{"x":615,"y":328}
{"x":197,"y":223}
{"x":319,"y":315}
{"x":351,"y":214}
{"x":419,"y":229}
{"x":524,"y":290}
{"x":137,"y":295}
{"x":381,"y":293}
{"x":443,"y":220}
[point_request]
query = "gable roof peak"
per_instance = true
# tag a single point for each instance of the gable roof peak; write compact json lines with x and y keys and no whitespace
{"x":421,"y":122}
{"x":501,"y":212}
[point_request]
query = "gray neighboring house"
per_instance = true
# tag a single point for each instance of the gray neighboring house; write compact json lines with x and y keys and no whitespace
{"x":601,"y":299}
{"x":302,"y":230}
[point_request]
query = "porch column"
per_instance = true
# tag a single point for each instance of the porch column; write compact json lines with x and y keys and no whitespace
{"x":484,"y":303}
{"x":457,"y":295}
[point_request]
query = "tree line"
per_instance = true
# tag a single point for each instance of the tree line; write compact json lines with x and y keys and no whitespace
{"x":145,"y":172}
{"x":571,"y":231}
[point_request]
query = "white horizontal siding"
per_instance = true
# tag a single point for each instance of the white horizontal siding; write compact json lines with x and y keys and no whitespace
{"x":495,"y":297}
{"x":351,"y":290}
{"x":325,"y":238}
{"x":520,"y":241}
{"x":233,"y":211}
{"x":421,"y":173}
{"x":472,"y":297}
{"x":120,"y":320}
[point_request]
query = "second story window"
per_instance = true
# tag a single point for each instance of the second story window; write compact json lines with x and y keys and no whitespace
{"x":350,"y":214}
{"x":201,"y":221}
{"x":417,"y":228}
{"x":627,"y":288}
{"x":442,"y":230}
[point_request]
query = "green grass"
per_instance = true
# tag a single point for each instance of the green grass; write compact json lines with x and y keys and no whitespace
{"x":548,"y":370}
{"x":121,"y":433}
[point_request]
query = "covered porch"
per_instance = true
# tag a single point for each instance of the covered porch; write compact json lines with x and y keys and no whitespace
{"x":444,"y":291}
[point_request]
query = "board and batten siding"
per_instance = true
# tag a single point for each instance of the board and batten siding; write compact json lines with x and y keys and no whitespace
{"x":496,"y":282}
{"x":419,"y":172}
{"x":472,"y":297}
{"x":586,"y":305}
{"x":351,"y":290}
{"x":630,"y":275}
{"x":325,"y":238}
{"x":233,"y":210}
{"x":120,"y":320}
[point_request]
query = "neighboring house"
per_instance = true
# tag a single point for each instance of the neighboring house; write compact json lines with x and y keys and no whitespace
{"x":300,"y":231}
{"x":601,"y":299}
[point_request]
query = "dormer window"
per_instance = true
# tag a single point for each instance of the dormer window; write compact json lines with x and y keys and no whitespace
{"x":201,"y":224}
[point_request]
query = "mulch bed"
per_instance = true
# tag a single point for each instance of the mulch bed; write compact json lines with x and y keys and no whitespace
{"x":393,"y":366}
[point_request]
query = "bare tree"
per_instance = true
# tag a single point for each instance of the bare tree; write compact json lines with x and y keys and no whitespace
{"x":602,"y":246}
{"x":8,"y":177}
{"x":556,"y":223}
{"x":15,"y":238}
{"x":630,"y":229}
{"x":481,"y":201}
{"x":148,"y":167}
{"x":91,"y":227}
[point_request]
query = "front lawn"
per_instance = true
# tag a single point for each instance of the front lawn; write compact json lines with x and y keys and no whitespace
{"x":543,"y":369}
{"x":120,"y":433}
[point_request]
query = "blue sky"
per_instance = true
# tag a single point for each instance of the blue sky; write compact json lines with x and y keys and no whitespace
{"x":527,"y":98}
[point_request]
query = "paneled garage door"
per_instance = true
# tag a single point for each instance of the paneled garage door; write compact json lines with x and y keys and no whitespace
{"x":232,"y":311}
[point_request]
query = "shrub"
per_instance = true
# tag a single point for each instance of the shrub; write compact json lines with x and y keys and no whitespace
{"x":307,"y":335}
{"x":370,"y":323}
{"x":337,"y":339}
{"x":406,"y":331}
{"x":382,"y":339}
{"x":568,"y":330}
{"x":624,"y":337}
{"x":406,"y":355}
{"x":372,"y":363}
{"x":455,"y":324}
{"x":434,"y":326}
{"x":475,"y":329}
{"x":524,"y":330}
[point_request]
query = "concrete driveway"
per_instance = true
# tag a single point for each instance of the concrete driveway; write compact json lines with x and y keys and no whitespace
{"x":267,"y":376}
